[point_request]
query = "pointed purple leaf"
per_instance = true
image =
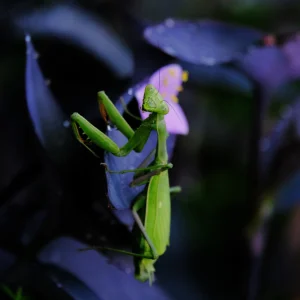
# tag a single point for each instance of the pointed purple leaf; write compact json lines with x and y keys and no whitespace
{"x":69,"y":283}
{"x":93,"y":269}
{"x":218,"y":76}
{"x":268,"y":66}
{"x":201,"y":42}
{"x":119,"y":192}
{"x":50,"y":123}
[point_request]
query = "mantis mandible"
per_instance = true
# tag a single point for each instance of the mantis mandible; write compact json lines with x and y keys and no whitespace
{"x":152,"y":208}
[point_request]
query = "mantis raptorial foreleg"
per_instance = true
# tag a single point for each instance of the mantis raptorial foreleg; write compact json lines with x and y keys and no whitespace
{"x":151,"y":168}
{"x":136,"y":140}
{"x":142,"y":179}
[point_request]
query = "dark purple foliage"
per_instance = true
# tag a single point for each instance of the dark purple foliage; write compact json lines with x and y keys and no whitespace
{"x":268,"y":66}
{"x":7,"y":259}
{"x":91,"y":268}
{"x":218,"y":75}
{"x":51,"y":125}
{"x":201,"y":42}
{"x":270,"y":144}
{"x":288,"y":195}
{"x":72,"y":24}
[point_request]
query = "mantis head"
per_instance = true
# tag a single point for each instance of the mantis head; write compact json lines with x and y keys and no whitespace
{"x":153,"y":101}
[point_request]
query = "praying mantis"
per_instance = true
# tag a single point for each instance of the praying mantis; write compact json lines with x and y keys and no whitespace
{"x":152,"y":208}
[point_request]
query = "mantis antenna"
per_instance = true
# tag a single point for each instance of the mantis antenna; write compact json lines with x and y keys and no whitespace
{"x":166,"y":100}
{"x":170,"y":103}
{"x":174,"y":111}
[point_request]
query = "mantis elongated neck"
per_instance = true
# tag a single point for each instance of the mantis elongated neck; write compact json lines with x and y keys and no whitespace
{"x":162,"y":136}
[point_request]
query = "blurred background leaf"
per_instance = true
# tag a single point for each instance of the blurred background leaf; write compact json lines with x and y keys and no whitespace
{"x":71,"y":25}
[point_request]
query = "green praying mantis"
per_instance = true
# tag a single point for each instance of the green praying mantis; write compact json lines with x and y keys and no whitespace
{"x":152,"y":208}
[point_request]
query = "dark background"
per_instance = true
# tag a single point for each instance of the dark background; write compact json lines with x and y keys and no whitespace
{"x":242,"y":150}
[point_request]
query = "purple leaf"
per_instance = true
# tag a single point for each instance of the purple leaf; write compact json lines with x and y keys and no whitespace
{"x":68,"y":283}
{"x":50,"y":123}
{"x":92,"y":268}
{"x":82,"y":29}
{"x":119,"y":192}
{"x":291,"y":49}
{"x":218,"y":76}
{"x":201,"y":42}
{"x":268,"y":66}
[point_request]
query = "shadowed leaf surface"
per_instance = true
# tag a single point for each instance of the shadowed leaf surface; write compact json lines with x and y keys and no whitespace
{"x":50,"y":123}
{"x":84,"y":30}
{"x":95,"y":272}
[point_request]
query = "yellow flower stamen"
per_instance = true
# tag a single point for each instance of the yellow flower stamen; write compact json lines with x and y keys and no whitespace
{"x":185,"y":76}
{"x":165,"y":82}
{"x":179,"y":89}
{"x":174,"y":99}
{"x":172,"y":72}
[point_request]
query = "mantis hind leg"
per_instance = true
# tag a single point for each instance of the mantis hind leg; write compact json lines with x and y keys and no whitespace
{"x":144,"y":178}
{"x":140,"y":202}
{"x":155,"y":167}
{"x":117,"y":250}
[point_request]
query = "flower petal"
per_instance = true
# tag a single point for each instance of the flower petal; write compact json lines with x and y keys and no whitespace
{"x":176,"y":120}
{"x":168,"y":81}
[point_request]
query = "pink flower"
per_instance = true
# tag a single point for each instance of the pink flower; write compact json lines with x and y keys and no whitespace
{"x":168,"y":81}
